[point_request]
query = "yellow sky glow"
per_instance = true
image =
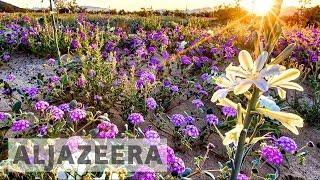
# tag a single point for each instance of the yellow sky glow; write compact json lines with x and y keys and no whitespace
{"x":137,"y":4}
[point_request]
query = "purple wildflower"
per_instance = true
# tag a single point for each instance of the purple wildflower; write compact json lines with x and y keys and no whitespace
{"x":242,"y":177}
{"x":135,"y":118}
{"x":271,"y":154}
{"x":107,"y":130}
{"x":288,"y":144}
{"x":41,"y":106}
{"x":64,"y":107}
{"x":32,"y":92}
{"x":77,"y":115}
{"x":3,"y":117}
{"x":178,"y":119}
{"x":174,"y":88}
{"x":56,"y":113}
{"x":55,"y":79}
{"x":166,"y":153}
{"x":74,"y":44}
{"x":144,"y":173}
{"x":21,"y":125}
{"x":92,"y":73}
{"x":97,"y":98}
{"x":229,"y":111}
{"x":177,"y":166}
{"x":81,"y":81}
{"x":151,"y":103}
{"x":43,"y":130}
{"x":148,"y":77}
{"x":185,"y":60}
{"x":6,"y":58}
{"x":151,"y":137}
{"x":189,"y":119}
{"x":139,"y":84}
{"x":197,"y":103}
{"x":212,"y":119}
{"x":205,"y":77}
{"x":166,"y":83}
{"x":10,"y":77}
{"x":165,"y":55}
{"x":51,"y":62}
{"x":191,"y":131}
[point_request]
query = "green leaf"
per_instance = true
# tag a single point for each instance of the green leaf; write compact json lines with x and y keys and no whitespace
{"x":209,"y":174}
{"x":16,"y":107}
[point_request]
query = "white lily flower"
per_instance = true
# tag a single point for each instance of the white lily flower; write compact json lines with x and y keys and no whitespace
{"x":252,"y":72}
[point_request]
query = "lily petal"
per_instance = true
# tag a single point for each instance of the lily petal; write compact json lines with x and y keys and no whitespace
{"x":219,"y":94}
{"x":289,"y":120}
{"x":270,"y":70}
{"x":223,"y":82}
{"x":291,"y":85}
{"x":236,"y":71}
{"x":261,"y":60}
{"x":282,"y":93}
{"x":233,"y":135}
{"x":285,"y":76}
{"x":242,"y":87}
{"x":245,"y":60}
{"x":261,"y":84}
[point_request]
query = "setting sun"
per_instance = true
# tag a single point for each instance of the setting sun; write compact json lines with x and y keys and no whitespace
{"x":259,"y":7}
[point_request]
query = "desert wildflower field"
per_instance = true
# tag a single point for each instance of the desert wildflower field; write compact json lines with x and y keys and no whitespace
{"x":231,"y":92}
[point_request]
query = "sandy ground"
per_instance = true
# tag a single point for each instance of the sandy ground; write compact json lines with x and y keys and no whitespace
{"x":25,"y":67}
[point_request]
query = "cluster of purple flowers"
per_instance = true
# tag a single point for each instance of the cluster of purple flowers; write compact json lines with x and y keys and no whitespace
{"x":3,"y":117}
{"x":151,"y":103}
{"x":197,"y":103}
{"x":211,"y":119}
{"x":151,"y":137}
{"x":21,"y":125}
{"x":229,"y":111}
{"x":32,"y":92}
{"x":287,"y":144}
{"x":178,"y":120}
{"x":10,"y":77}
{"x":81,"y":81}
{"x":43,"y":130}
{"x":175,"y":164}
{"x":77,"y":115}
{"x":191,"y":131}
{"x":242,"y":177}
{"x":107,"y":130}
{"x":135,"y":118}
{"x":271,"y":155}
{"x":41,"y":106}
{"x":56,"y":112}
{"x":144,"y":173}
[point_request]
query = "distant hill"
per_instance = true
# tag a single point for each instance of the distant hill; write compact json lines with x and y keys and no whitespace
{"x":6,"y":7}
{"x":288,"y":11}
{"x":92,"y":8}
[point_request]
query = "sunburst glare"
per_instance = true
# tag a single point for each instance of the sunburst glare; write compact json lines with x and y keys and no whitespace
{"x":259,"y":7}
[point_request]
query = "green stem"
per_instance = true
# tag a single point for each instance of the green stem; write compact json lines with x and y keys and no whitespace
{"x":55,"y":33}
{"x":241,"y":144}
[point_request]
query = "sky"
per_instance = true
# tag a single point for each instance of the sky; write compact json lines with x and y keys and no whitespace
{"x":137,"y":4}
